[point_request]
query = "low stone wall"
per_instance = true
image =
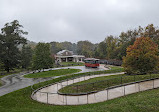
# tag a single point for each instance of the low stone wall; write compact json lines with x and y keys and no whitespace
{"x":50,"y":94}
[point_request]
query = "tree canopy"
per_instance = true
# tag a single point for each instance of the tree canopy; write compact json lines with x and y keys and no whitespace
{"x":85,"y":48}
{"x":141,"y":56}
{"x":26,"y":56}
{"x":10,"y":37}
{"x":42,"y":56}
{"x":14,"y":53}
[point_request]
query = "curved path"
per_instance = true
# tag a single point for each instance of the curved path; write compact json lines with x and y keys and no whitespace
{"x":17,"y":81}
{"x":50,"y":94}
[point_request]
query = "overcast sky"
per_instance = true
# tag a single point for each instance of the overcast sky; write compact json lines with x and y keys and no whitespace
{"x":74,"y":20}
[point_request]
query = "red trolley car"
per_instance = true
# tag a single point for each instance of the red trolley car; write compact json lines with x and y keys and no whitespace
{"x":91,"y":62}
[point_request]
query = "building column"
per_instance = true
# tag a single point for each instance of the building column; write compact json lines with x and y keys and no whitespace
{"x":66,"y":60}
{"x":74,"y":60}
{"x":60,"y":60}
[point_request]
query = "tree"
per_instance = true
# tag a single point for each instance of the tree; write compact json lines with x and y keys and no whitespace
{"x":85,"y":48}
{"x":141,"y":56}
{"x":10,"y":38}
{"x":67,"y":45}
{"x":42,"y":56}
{"x":126,"y":39}
{"x":1,"y":65}
{"x":58,"y":46}
{"x":55,"y":47}
{"x":112,"y":44}
{"x":26,"y":56}
{"x":152,"y":32}
{"x":101,"y":50}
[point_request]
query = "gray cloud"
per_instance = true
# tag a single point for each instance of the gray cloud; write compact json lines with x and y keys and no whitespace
{"x":74,"y":20}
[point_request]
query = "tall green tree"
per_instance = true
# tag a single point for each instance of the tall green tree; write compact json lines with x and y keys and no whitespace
{"x":26,"y":56}
{"x":126,"y":39}
{"x":42,"y":56}
{"x":101,"y":50}
{"x":10,"y":37}
{"x":112,"y":44}
{"x":55,"y":47}
{"x":67,"y":45}
{"x":1,"y":65}
{"x":152,"y":32}
{"x":85,"y":48}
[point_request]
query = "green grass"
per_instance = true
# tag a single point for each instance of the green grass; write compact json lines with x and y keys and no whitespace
{"x":20,"y":101}
{"x":52,"y":73}
{"x":113,"y":69}
{"x":101,"y":83}
{"x":72,"y":63}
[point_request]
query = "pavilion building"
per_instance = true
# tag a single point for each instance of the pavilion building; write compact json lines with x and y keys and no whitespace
{"x":68,"y":56}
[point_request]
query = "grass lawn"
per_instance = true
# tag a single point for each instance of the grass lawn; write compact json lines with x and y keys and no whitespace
{"x":72,"y":63}
{"x":100,"y":83}
{"x":52,"y":73}
{"x":20,"y":101}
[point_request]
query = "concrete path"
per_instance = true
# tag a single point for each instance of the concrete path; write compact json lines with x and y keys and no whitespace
{"x":50,"y":94}
{"x":17,"y":81}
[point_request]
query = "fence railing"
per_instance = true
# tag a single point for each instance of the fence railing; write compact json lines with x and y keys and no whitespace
{"x":112,"y":90}
{"x":96,"y":86}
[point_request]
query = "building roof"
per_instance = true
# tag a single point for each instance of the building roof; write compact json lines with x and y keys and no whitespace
{"x":60,"y":52}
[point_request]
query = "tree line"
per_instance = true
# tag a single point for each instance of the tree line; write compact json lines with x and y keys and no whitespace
{"x":17,"y":52}
{"x":12,"y":57}
{"x":112,"y":47}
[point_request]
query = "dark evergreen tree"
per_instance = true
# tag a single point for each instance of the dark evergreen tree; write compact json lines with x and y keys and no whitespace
{"x":26,"y":56}
{"x":10,"y":37}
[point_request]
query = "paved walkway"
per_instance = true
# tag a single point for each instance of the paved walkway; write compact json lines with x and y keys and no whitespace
{"x":17,"y":81}
{"x":50,"y":94}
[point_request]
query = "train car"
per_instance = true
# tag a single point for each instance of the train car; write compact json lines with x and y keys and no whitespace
{"x":91,"y":62}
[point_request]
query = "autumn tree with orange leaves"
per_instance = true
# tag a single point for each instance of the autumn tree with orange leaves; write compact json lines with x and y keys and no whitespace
{"x":141,"y":56}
